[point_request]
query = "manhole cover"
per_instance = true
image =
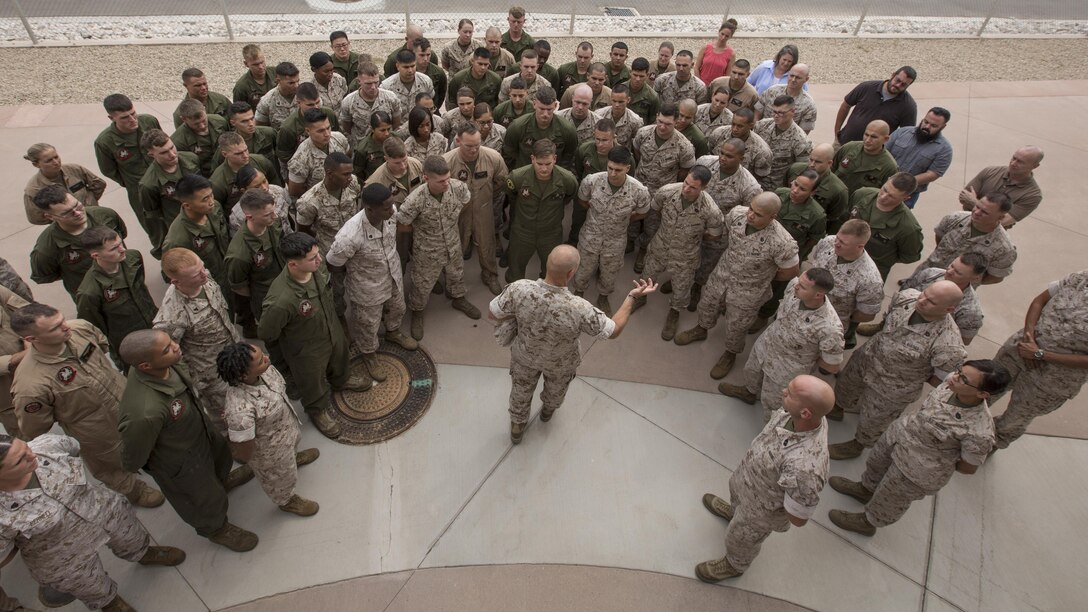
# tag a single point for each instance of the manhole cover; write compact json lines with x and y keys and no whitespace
{"x":392,"y":406}
{"x":620,"y":11}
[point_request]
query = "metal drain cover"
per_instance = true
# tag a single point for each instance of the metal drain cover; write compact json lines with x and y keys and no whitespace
{"x":392,"y":406}
{"x":620,"y":11}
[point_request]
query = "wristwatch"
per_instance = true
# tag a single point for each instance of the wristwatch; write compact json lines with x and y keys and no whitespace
{"x":1039,"y":354}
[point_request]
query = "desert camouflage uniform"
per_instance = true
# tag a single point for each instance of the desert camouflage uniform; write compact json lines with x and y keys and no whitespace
{"x":504,"y":88}
{"x":792,"y":344}
{"x":332,"y":95}
{"x":788,"y":147}
{"x":858,"y":286}
{"x":10,"y":278}
{"x":486,"y":181}
{"x":326,"y":214}
{"x":273,"y":108}
{"x":672,"y":91}
{"x":356,"y":111}
{"x":918,"y":454}
{"x":454,"y":121}
{"x":888,"y":372}
{"x":804,"y":107}
{"x":495,"y":138}
{"x":400,"y":188}
{"x":1044,"y":389}
{"x":283,"y":208}
{"x":707,"y":124}
{"x":263,"y":413}
{"x":602,"y":238}
{"x":757,"y":153}
{"x":201,"y":325}
{"x":307,"y":165}
{"x":728,"y":192}
{"x":583,"y":130}
{"x":968,"y":315}
{"x":437,"y":144}
{"x":406,"y":94}
{"x":457,"y":57}
{"x":549,"y":321}
{"x":10,"y":343}
{"x":80,"y":390}
{"x":375,"y":287}
{"x":59,"y":526}
{"x":781,"y":475}
{"x":674,"y":248}
{"x":658,"y":165}
{"x":954,"y":235}
{"x":626,"y":126}
{"x":436,"y":240}
{"x":741,"y":282}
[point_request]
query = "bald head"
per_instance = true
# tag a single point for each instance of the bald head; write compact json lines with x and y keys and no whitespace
{"x":808,"y":399}
{"x":879,"y":126}
{"x":767,"y":203}
{"x":139,"y":346}
{"x":821,"y":158}
{"x":563,"y":261}
{"x":1024,"y":161}
{"x":938,"y":299}
{"x":413,"y":32}
{"x":874,"y":137}
{"x":688,"y":105}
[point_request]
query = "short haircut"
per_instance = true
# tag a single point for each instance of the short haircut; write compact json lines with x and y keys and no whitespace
{"x":1003,"y":201}
{"x":598,"y":67}
{"x":286,"y":69}
{"x":545,"y":95}
{"x":909,"y":71}
{"x":190,"y":184}
{"x":743,"y":64}
{"x":337,"y":35}
{"x":374,"y":194}
{"x":394,"y":148}
{"x":368,"y":69}
{"x":685,"y":53}
{"x":117,"y":103}
{"x":976,"y":261}
{"x":177,"y":259}
{"x":942,"y":112}
{"x":783,"y":100}
{"x":435,"y":165}
{"x":238,"y":108}
{"x":191,"y":73}
{"x":669,"y":110}
{"x":137,"y":346}
{"x":230,"y":139}
{"x":406,"y":57}
{"x":737,"y":144}
{"x":543,"y":148}
{"x":858,"y":228}
{"x":94,"y":238}
{"x":667,"y":45}
{"x":296,"y":245}
{"x":516,"y":12}
{"x":319,"y":59}
{"x":191,"y":109}
{"x":621,"y":88}
{"x":605,"y":125}
{"x":995,"y":378}
{"x":810,"y":174}
{"x":255,"y":200}
{"x":482,"y":52}
{"x":745,"y":113}
{"x":307,"y":92}
{"x":423,"y":95}
{"x":585,"y":45}
{"x":481,"y":109}
{"x":904,"y":181}
{"x":232,"y":363}
{"x":528,"y":54}
{"x":619,"y":44}
{"x":468,"y":129}
{"x":421,"y":43}
{"x":24,"y":321}
{"x":542,"y":45}
{"x":821,"y":278}
{"x":50,"y":195}
{"x":153,"y":138}
{"x":335,"y":159}
{"x":620,"y":155}
{"x":314,"y":115}
{"x":251,"y":51}
{"x":701,"y":174}
{"x":640,"y":63}
{"x":518,"y":83}
{"x":379,"y":117}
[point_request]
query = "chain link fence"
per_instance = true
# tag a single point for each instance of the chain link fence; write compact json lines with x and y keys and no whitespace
{"x":70,"y":21}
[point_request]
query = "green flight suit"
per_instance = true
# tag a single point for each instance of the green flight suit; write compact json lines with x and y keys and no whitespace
{"x":58,"y":255}
{"x":859,"y":169}
{"x":615,"y":78}
{"x":645,"y":103}
{"x":301,"y":320}
{"x":205,"y":146}
{"x":537,"y":210}
{"x":568,"y":77}
{"x":223,"y":178}
{"x":349,"y":68}
{"x":390,"y":66}
{"x":523,"y":132}
{"x":216,"y":104}
{"x":209,"y":241}
{"x":117,"y":304}
{"x":504,"y":114}
{"x":486,"y":89}
{"x":697,"y":139}
{"x":121,"y":158}
{"x":896,"y":235}
{"x":368,"y":157}
{"x":807,"y":223}
{"x":253,"y":262}
{"x":247,"y":89}
{"x":293,"y":131}
{"x":519,"y":47}
{"x":164,"y":432}
{"x":157,"y":197}
{"x":440,"y":82}
{"x":830,"y":193}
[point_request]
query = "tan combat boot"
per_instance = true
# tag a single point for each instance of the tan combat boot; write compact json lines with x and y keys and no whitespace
{"x":300,"y":506}
{"x":466,"y":307}
{"x":850,"y":487}
{"x":718,"y":506}
{"x":117,"y":604}
{"x":688,"y":336}
{"x":325,"y":424}
{"x":234,"y":538}
{"x":716,"y":571}
{"x":167,"y":556}
{"x":238,"y":477}
{"x":517,"y":430}
{"x":671,"y":321}
{"x":370,"y":360}
{"x":740,"y":392}
{"x":417,"y":325}
{"x":845,"y":450}
{"x":146,"y":496}
{"x":306,"y":457}
{"x":359,"y":381}
{"x":725,"y":363}
{"x":492,"y":284}
{"x":871,"y":328}
{"x":852,"y":521}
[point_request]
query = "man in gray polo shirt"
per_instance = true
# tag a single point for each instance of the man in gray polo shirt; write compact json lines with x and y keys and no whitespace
{"x":923,"y":150}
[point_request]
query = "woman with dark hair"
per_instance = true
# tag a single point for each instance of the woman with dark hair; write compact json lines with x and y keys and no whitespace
{"x":422,"y":139}
{"x":251,"y":178}
{"x":369,"y":154}
{"x":776,"y":71}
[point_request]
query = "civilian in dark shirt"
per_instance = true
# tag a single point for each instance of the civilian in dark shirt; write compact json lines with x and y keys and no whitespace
{"x":871,"y":100}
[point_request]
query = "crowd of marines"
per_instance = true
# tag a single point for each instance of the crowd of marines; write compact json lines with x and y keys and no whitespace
{"x":288,"y":217}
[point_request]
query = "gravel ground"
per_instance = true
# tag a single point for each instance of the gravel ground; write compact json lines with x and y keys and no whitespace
{"x":152,"y":72}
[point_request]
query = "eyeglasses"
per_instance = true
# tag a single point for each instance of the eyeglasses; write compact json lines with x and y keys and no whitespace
{"x":343,"y":45}
{"x":963,"y":380}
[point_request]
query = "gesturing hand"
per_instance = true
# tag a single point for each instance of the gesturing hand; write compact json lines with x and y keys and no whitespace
{"x":643,"y":287}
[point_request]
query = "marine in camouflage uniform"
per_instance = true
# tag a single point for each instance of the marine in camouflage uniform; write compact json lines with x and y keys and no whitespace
{"x":274,"y":108}
{"x":333,"y":94}
{"x":583,"y":128}
{"x":355,"y":113}
{"x":325,"y":213}
{"x":80,"y":389}
{"x":116,"y":303}
{"x":674,"y":249}
{"x":757,"y":153}
{"x":58,"y":255}
{"x":671,"y":91}
{"x":887,"y":373}
{"x":293,"y":132}
{"x":796,"y":341}
{"x":803,"y":104}
{"x":956,"y":235}
{"x":707,"y":122}
{"x":601,"y":240}
{"x":10,"y":347}
{"x":59,"y":525}
{"x":406,"y":93}
{"x":10,"y":278}
{"x":728,"y":191}
{"x":788,"y":146}
{"x":626,"y":126}
{"x":202,"y":326}
{"x":307,"y":165}
{"x":1060,"y":333}
{"x":436,"y":144}
{"x":858,"y":286}
{"x":436,"y":241}
{"x":658,"y":165}
{"x":968,"y":315}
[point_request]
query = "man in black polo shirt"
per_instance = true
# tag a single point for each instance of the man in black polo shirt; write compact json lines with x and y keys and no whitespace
{"x":887,"y":100}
